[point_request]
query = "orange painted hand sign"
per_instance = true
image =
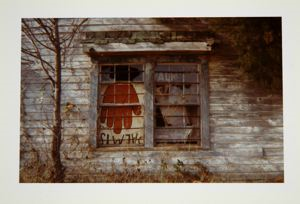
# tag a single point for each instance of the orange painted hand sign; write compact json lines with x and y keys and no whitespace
{"x":116,"y":116}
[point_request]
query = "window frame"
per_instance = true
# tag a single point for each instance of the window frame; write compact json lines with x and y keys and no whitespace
{"x":198,"y":67}
{"x":105,"y":83}
{"x":149,"y":64}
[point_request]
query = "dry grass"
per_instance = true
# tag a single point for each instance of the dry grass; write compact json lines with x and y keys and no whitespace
{"x":180,"y":176}
{"x":36,"y":173}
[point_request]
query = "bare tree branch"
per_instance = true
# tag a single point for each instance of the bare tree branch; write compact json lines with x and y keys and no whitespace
{"x":26,"y":60}
{"x":48,"y":30}
{"x":37,"y":55}
{"x":52,"y":21}
{"x":75,"y":30}
{"x":70,"y":36}
{"x":67,"y":39}
{"x":27,"y":29}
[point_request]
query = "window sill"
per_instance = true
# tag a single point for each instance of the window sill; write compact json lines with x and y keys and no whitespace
{"x":160,"y":147}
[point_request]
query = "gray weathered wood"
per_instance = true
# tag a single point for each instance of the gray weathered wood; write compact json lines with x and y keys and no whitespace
{"x":67,"y":94}
{"x":67,"y":131}
{"x":247,"y":130}
{"x":48,"y":108}
{"x":241,"y":145}
{"x":148,"y":46}
{"x":245,"y":99}
{"x":239,"y":122}
{"x":121,"y":21}
{"x":273,"y":151}
{"x":97,"y":28}
{"x":149,"y":103}
{"x":93,"y":105}
{"x":135,"y":21}
{"x":204,"y":106}
{"x":240,"y":138}
{"x":144,"y":57}
{"x":253,"y":151}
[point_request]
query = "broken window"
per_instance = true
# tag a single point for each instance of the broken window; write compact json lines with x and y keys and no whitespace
{"x":175,"y":111}
{"x":120,"y":105}
{"x":177,"y":103}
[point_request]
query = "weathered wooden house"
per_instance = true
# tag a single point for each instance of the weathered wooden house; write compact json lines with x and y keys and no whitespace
{"x":155,"y":96}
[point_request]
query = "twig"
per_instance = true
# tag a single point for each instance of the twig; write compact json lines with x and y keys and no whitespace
{"x":27,"y":29}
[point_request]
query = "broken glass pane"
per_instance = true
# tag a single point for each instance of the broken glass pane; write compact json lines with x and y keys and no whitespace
{"x":191,"y":77}
{"x":136,"y":73}
{"x":107,"y":73}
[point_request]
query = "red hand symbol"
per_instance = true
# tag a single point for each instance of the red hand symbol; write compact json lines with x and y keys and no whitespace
{"x":119,"y":94}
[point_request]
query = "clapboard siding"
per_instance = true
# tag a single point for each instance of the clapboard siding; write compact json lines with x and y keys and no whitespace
{"x":65,"y":86}
{"x":244,"y":117}
{"x":49,"y":101}
{"x":65,"y":94}
{"x":36,"y":116}
{"x":65,"y":123}
{"x":246,"y":99}
{"x":245,"y":122}
{"x":65,"y":79}
{"x":225,"y":121}
{"x":241,"y":138}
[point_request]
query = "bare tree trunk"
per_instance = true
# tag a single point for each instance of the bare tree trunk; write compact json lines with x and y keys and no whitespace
{"x":56,"y":142}
{"x":58,"y":43}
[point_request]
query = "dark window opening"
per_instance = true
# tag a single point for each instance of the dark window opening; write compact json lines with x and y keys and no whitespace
{"x":112,"y":73}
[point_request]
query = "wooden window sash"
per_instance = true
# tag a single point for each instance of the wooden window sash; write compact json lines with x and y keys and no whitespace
{"x":100,"y":105}
{"x":149,"y":115}
{"x":168,"y":69}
